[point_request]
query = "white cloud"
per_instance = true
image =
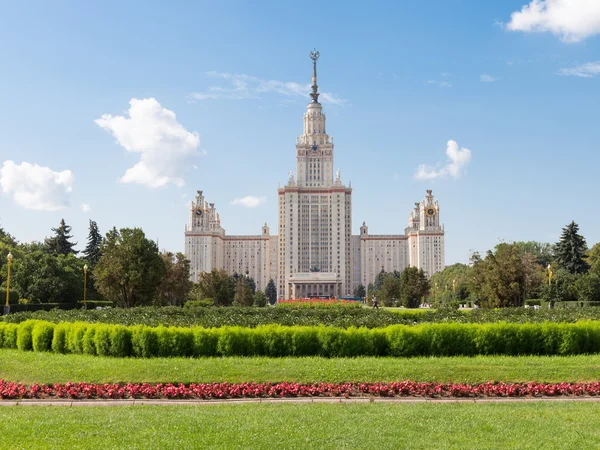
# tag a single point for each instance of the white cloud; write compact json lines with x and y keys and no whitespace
{"x":167,"y":149}
{"x":458,"y":159}
{"x":242,"y":86}
{"x":571,"y":20}
{"x":587,"y":70}
{"x":485,"y":78}
{"x":85,"y":207}
{"x":36,"y":187}
{"x":249,"y":201}
{"x":442,"y":84}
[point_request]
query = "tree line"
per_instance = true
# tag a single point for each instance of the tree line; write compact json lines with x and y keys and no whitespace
{"x":514,"y":272}
{"x":123,"y":266}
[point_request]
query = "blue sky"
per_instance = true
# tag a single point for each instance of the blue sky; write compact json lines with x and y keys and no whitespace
{"x":521,"y":93}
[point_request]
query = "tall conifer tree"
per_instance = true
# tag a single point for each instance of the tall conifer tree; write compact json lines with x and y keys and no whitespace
{"x":92,"y":250}
{"x":59,"y":244}
{"x":571,"y":250}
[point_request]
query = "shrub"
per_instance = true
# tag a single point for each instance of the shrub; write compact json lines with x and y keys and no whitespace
{"x":305,"y":341}
{"x":102,"y":339}
{"x":59,"y":338}
{"x":204,"y":303}
{"x":24,"y":335}
{"x":144,"y":341}
{"x":235,"y":341}
{"x":42,"y":335}
{"x":205,"y":341}
{"x":10,"y":335}
{"x":120,"y":340}
{"x":75,"y":337}
{"x":89,"y":341}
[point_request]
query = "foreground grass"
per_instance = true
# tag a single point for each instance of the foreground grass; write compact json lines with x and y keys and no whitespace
{"x":375,"y":425}
{"x":30,"y":367}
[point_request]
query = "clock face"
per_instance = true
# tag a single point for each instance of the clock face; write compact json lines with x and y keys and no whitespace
{"x":430,"y":212}
{"x":198,"y":212}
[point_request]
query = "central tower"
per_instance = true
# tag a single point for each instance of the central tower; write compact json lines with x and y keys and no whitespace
{"x":315,"y":210}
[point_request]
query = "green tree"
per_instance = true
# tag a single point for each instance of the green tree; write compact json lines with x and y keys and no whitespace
{"x":360,"y":291}
{"x":542,"y":252}
{"x":43,"y":278}
{"x":588,"y":286}
{"x":243,"y":293}
{"x":563,"y":287}
{"x":130,"y":268}
{"x":92,"y":252}
{"x":271,"y":292}
{"x":390,"y":291}
{"x":59,"y":244}
{"x":414,"y":286}
{"x":571,"y":250}
{"x":452,"y":283}
{"x":260,"y":299}
{"x":504,"y":277}
{"x":218,"y":285}
{"x":175,"y":285}
{"x":593,"y":256}
{"x":249,"y":280}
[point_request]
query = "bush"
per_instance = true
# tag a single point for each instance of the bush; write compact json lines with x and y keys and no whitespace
{"x":42,"y":336}
{"x":59,"y":338}
{"x":144,"y":341}
{"x":339,"y":317}
{"x":204,"y":303}
{"x":278,"y":341}
{"x":9,"y":339}
{"x":24,"y":341}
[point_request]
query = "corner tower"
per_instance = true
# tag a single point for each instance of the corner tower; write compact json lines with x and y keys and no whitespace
{"x":315,"y":210}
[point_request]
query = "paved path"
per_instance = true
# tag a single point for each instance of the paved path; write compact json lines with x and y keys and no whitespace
{"x":134,"y":402}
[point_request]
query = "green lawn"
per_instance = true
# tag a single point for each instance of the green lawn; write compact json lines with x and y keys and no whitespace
{"x":30,"y":367}
{"x":369,"y":425}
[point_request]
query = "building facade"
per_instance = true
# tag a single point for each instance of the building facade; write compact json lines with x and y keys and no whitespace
{"x":314,"y":252}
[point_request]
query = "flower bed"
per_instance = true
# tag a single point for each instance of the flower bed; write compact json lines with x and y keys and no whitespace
{"x":10,"y":390}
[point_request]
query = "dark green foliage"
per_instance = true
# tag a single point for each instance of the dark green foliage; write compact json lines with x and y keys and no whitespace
{"x":217,"y":285}
{"x":59,"y":244}
{"x":260,"y":299}
{"x":130,"y":269}
{"x":210,"y":317}
{"x":243,"y":292}
{"x":92,"y":252}
{"x":571,"y":250}
{"x":43,"y":278}
{"x":271,"y":292}
{"x":360,"y":291}
{"x":175,"y":285}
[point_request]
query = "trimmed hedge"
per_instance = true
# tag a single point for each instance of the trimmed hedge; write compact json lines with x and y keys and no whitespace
{"x":450,"y":339}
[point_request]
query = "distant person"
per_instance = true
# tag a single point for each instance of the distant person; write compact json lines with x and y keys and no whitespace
{"x":375,"y":303}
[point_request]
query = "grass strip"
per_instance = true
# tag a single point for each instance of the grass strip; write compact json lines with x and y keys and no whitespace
{"x":32,"y":367}
{"x":518,"y":425}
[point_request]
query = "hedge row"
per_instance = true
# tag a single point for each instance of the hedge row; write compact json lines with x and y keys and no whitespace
{"x":337,"y":317}
{"x":277,"y":340}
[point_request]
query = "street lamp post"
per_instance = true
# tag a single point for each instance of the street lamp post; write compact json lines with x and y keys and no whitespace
{"x":549,"y":275}
{"x":7,"y":306}
{"x":85,"y":286}
{"x":454,"y":286}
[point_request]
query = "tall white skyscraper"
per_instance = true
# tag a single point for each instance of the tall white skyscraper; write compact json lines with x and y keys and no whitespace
{"x":314,"y":252}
